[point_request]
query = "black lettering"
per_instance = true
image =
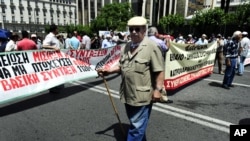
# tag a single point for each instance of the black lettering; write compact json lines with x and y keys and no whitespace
{"x":4,"y":73}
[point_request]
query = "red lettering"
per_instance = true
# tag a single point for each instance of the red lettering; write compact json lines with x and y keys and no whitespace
{"x":6,"y":85}
{"x":20,"y":81}
{"x":45,"y":78}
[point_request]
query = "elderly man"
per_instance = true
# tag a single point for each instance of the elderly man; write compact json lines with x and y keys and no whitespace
{"x":202,"y":40}
{"x":164,"y":46}
{"x":141,"y":68}
{"x":231,"y":54}
{"x":243,"y":51}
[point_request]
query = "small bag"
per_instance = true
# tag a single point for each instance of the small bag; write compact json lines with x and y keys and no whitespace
{"x":228,"y":62}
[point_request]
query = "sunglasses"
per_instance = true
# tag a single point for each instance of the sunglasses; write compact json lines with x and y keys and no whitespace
{"x":136,"y":29}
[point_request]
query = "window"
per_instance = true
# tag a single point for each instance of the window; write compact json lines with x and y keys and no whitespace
{"x":3,"y":10}
{"x":4,"y":18}
{"x":12,"y":11}
{"x":13,"y":19}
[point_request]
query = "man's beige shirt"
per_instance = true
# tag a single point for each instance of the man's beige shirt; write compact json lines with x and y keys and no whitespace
{"x":137,"y":69}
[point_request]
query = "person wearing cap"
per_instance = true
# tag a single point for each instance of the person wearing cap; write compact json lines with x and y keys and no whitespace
{"x":26,"y":43}
{"x":190,"y":39}
{"x":164,"y":46}
{"x":202,"y":40}
{"x":35,"y":39}
{"x":12,"y":43}
{"x":219,"y":53}
{"x":243,"y":51}
{"x":51,"y":41}
{"x":107,"y":42}
{"x":141,"y":68}
{"x":231,"y":54}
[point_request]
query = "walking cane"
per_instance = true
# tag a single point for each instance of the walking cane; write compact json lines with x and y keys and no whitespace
{"x":113,"y":105}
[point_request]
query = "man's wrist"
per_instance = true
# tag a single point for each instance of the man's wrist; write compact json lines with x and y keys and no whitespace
{"x":159,"y":89}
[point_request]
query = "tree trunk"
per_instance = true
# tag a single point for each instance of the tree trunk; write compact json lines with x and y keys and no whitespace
{"x":222,"y":4}
{"x":227,"y":6}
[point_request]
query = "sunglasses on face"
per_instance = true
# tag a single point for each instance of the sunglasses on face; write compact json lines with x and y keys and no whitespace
{"x":136,"y":29}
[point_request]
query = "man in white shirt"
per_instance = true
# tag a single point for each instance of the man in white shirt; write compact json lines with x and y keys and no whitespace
{"x":50,"y":41}
{"x":202,"y":40}
{"x":243,"y":51}
{"x":11,"y":45}
{"x":86,"y":41}
{"x":107,"y":42}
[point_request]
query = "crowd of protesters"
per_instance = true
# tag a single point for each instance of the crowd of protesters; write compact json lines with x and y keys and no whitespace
{"x":11,"y":41}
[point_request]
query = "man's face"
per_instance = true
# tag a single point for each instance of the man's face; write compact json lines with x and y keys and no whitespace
{"x":137,"y":33}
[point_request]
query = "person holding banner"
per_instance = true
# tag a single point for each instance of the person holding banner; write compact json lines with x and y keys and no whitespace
{"x":231,"y":53}
{"x":51,"y":41}
{"x":12,"y":43}
{"x":219,"y":57}
{"x":26,"y":43}
{"x":141,"y":68}
{"x":164,"y":46}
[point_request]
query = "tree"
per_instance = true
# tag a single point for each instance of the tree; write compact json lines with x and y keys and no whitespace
{"x":113,"y":17}
{"x":171,"y":22}
{"x":242,"y":14}
{"x":209,"y":21}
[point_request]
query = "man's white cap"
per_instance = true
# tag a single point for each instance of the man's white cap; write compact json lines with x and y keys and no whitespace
{"x":108,"y":36}
{"x":204,"y":35}
{"x":236,"y":33}
{"x":137,"y":21}
{"x":244,"y":33}
{"x":189,"y":35}
{"x":33,"y":35}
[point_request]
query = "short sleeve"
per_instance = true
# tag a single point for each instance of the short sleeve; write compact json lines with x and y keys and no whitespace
{"x":157,"y":60}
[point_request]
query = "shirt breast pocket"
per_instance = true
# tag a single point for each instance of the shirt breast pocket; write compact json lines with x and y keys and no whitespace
{"x":141,"y":65}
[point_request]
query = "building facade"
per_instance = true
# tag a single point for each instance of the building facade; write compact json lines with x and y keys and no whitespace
{"x":151,"y":9}
{"x":194,"y":5}
{"x":33,"y":15}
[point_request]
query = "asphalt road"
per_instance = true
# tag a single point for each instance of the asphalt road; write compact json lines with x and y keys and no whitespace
{"x":202,"y":111}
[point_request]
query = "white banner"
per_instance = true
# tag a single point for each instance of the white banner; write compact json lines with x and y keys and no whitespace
{"x":187,"y":62}
{"x":26,"y":73}
{"x":247,"y":60}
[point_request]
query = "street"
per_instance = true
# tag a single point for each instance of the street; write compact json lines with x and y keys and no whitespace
{"x":202,"y":111}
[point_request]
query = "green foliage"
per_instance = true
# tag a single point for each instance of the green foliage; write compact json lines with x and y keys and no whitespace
{"x":242,"y":14}
{"x":79,"y":28}
{"x":215,"y":17}
{"x":171,"y":22}
{"x":113,"y":17}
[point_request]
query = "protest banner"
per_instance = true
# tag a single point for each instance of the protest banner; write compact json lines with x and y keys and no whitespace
{"x":247,"y":60}
{"x":187,"y":62}
{"x":25,"y":73}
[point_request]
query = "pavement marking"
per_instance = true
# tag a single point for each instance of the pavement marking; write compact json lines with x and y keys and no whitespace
{"x":238,"y":84}
{"x":183,"y":114}
{"x":244,"y":69}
